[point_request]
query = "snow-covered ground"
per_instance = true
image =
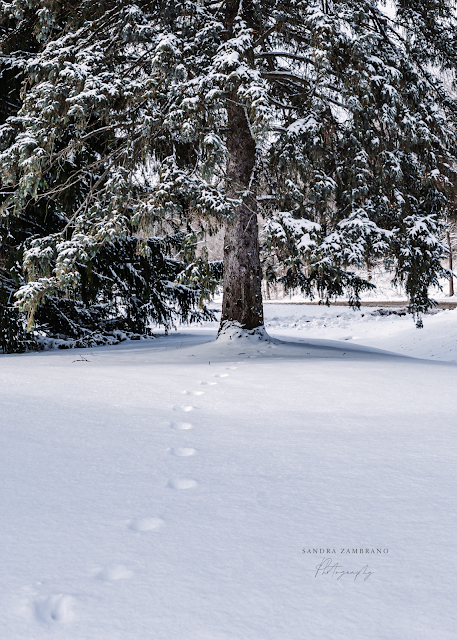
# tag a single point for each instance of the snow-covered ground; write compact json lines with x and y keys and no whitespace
{"x":166,"y":489}
{"x":396,"y":333}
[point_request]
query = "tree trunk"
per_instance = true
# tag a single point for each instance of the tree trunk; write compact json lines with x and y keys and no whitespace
{"x":451,"y":281}
{"x":242,"y":296}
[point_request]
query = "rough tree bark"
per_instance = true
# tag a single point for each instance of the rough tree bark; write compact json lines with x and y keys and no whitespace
{"x":242,"y":296}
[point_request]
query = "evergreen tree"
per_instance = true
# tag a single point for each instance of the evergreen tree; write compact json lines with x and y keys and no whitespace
{"x":324,"y":115}
{"x":115,"y":291}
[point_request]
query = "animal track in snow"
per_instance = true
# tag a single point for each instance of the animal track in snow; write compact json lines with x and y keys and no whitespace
{"x":183,"y":452}
{"x":115,"y":572}
{"x":208,"y":383}
{"x":146,"y":524}
{"x":55,"y":608}
{"x":221,"y":375}
{"x":182,"y":483}
{"x":194,"y":393}
{"x":180,"y":426}
{"x":184,"y":408}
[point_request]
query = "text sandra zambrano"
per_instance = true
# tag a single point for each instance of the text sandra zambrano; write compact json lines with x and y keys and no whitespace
{"x":345,"y":551}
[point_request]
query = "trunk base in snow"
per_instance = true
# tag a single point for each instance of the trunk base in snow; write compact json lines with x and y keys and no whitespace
{"x":232,"y":330}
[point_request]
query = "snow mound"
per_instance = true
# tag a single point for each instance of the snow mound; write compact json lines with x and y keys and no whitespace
{"x":230,"y":331}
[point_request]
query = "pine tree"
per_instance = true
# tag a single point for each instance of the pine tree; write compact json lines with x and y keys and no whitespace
{"x":325,"y":116}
